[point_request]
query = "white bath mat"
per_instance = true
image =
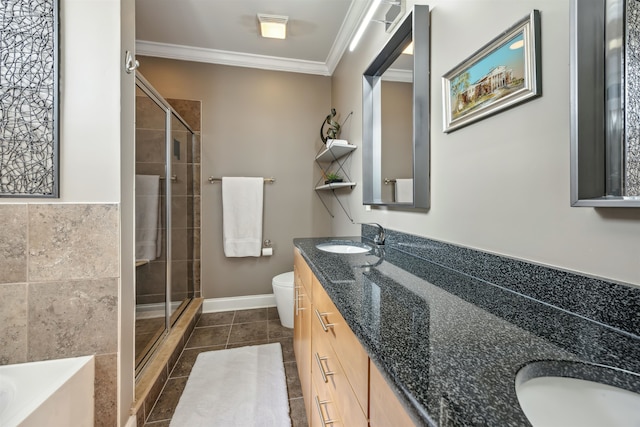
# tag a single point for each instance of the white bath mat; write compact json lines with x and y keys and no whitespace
{"x":244,"y":386}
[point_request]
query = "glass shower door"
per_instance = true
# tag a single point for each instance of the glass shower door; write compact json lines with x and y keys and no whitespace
{"x":151,"y":225}
{"x":181,"y":229}
{"x":165,"y":242}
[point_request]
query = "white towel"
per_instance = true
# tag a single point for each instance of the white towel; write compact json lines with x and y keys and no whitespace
{"x":242,"y":216}
{"x":404,"y":190}
{"x":148,"y":227}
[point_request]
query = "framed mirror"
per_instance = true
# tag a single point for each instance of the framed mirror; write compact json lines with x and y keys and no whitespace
{"x":605,"y":103}
{"x":395,"y":104}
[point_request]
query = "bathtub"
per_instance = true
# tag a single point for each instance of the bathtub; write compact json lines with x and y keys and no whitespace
{"x":52,"y":393}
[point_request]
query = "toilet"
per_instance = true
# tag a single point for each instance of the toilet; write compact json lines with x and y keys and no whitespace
{"x":283,"y":291}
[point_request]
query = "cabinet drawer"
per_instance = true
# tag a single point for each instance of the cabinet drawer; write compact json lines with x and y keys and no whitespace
{"x":302,"y":272}
{"x":385,"y":408}
{"x":324,"y":411}
{"x":328,"y":372}
{"x":329,"y":324}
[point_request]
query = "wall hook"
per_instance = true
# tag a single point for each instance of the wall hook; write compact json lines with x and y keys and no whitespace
{"x":130,"y":64}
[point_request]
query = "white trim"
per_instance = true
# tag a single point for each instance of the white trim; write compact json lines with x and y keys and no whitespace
{"x":213,"y":56}
{"x":395,"y":75}
{"x":354,"y":15}
{"x":212,"y":305}
{"x":131,"y":422}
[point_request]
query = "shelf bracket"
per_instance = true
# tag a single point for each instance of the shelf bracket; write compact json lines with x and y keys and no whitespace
{"x":342,"y":206}
{"x":339,"y":202}
{"x":325,"y":205}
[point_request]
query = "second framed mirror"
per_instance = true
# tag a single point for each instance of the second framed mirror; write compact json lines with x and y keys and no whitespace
{"x":396,"y":118}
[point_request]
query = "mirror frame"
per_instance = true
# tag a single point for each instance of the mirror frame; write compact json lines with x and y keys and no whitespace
{"x":414,"y":26}
{"x":590,"y":170}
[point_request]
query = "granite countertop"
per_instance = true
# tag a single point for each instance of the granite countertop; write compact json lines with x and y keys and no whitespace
{"x":451,"y":344}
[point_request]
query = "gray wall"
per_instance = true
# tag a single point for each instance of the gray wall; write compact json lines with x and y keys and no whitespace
{"x":397,"y":133}
{"x":254,"y":123}
{"x":501,"y":184}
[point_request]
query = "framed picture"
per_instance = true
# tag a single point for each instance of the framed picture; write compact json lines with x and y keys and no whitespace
{"x":500,"y":75}
{"x":29,"y":94}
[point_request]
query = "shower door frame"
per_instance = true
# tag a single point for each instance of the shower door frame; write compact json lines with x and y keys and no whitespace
{"x":169,"y":316}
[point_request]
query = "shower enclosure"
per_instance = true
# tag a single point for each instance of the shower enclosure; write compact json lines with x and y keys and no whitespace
{"x":164,"y":190}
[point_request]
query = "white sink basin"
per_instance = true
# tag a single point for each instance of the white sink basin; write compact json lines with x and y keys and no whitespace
{"x":553,"y":401}
{"x":345,"y":247}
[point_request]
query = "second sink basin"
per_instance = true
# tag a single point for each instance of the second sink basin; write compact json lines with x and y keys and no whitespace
{"x":344,"y":247}
{"x":549,"y":400}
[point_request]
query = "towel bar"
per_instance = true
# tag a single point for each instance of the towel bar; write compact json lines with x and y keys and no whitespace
{"x":267,"y":180}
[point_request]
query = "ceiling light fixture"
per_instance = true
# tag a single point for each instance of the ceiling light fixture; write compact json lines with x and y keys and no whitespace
{"x":364,"y":24}
{"x":273,"y":26}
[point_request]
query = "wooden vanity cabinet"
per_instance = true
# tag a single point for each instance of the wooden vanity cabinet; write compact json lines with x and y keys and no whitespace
{"x":302,"y":326}
{"x":334,"y":367}
{"x":339,"y":364}
{"x":338,"y":338}
{"x":385,"y":409}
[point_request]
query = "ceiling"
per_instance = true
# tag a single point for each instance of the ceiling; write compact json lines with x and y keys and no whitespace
{"x":227,"y":32}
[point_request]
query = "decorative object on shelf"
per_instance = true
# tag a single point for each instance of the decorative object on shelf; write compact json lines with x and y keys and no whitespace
{"x":336,"y":142}
{"x":332,"y":177}
{"x":334,"y":127}
{"x":502,"y":74}
{"x":29,"y":92}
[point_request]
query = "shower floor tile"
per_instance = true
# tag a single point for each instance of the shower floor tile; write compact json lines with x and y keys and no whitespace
{"x":231,"y":329}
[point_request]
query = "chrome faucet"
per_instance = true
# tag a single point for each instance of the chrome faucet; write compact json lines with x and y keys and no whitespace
{"x":379,"y":239}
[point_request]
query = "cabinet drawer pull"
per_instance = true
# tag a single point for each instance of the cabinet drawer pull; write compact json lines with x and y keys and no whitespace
{"x":325,"y":326}
{"x":319,"y":408}
{"x":322,"y":371}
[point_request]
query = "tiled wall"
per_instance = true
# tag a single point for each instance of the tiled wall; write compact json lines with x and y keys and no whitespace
{"x":59,"y":278}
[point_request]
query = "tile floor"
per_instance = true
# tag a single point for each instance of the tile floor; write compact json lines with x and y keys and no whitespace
{"x":229,"y":329}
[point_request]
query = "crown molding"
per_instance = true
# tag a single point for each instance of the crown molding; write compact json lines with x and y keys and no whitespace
{"x":354,"y":15}
{"x":213,"y":56}
{"x":394,"y":75}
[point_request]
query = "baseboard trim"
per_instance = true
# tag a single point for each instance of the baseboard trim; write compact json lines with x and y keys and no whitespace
{"x":212,"y":305}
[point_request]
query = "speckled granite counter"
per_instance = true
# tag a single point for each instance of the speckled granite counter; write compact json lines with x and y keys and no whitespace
{"x":452,"y":343}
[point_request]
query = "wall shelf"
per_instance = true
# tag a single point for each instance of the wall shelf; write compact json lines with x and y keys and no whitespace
{"x":335,"y":185}
{"x":332,"y":154}
{"x":333,"y":159}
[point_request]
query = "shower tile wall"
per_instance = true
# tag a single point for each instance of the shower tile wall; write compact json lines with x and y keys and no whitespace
{"x":185,"y":223}
{"x":59,"y":289}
